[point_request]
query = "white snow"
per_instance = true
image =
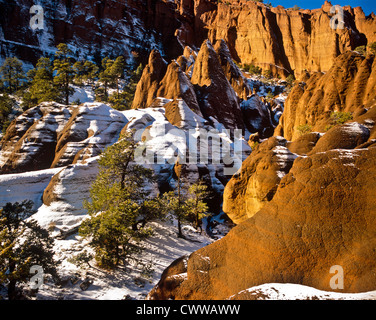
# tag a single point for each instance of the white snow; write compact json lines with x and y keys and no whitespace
{"x":290,"y":291}
{"x":25,"y":186}
{"x":82,"y":94}
{"x":132,"y":280}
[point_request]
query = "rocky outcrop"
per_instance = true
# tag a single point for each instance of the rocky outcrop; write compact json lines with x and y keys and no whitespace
{"x":287,"y":41}
{"x":91,"y":28}
{"x":176,"y":85}
{"x":258,"y":116}
{"x":282,"y":40}
{"x":347,"y":136}
{"x":320,"y":216}
{"x":198,"y":80}
{"x":52,"y":135}
{"x":232,"y":72}
{"x":30,"y":141}
{"x":304,"y":144}
{"x":346,"y":87}
{"x":257,"y":181}
{"x":215,"y":95}
{"x":148,"y":85}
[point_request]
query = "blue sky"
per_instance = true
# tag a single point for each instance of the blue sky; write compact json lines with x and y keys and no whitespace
{"x":367,"y":5}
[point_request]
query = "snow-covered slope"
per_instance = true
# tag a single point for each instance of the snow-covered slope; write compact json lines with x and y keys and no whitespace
{"x":132,"y":281}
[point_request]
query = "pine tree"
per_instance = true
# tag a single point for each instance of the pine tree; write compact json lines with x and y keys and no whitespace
{"x":197,"y":195}
{"x":23,"y":243}
{"x":85,"y":71}
{"x":91,"y":71}
{"x":42,"y":87}
{"x":125,"y":97}
{"x":120,"y":206}
{"x":7,"y":105}
{"x":12,"y":74}
{"x":175,"y":205}
{"x":79,"y":71}
{"x":63,"y":65}
{"x":105,"y":78}
{"x":117,"y":72}
{"x":187,"y":202}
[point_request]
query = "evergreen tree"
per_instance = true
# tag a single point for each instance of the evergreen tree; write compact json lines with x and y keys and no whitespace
{"x":6,"y":107}
{"x":42,"y":87}
{"x":197,"y":195}
{"x":120,"y":205}
{"x":23,"y":243}
{"x":79,"y":72}
{"x":85,"y":71}
{"x":105,"y":78}
{"x":186,"y":202}
{"x":12,"y":74}
{"x":117,"y":72}
{"x":124,"y":99}
{"x":175,"y":203}
{"x":63,"y":65}
{"x":90,"y":71}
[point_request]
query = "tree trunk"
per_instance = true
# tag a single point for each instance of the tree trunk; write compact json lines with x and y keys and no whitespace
{"x":12,"y":290}
{"x":180,"y":233}
{"x":12,"y":282}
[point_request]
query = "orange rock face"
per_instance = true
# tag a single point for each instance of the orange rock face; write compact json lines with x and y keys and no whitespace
{"x":323,"y":214}
{"x":199,"y":80}
{"x":256,"y":183}
{"x":348,"y":86}
{"x":287,"y":41}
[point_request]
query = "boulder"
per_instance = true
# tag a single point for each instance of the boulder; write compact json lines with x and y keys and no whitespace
{"x":304,"y":144}
{"x":257,"y":116}
{"x":347,"y":136}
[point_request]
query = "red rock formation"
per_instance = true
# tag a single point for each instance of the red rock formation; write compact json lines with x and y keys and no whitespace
{"x":148,"y":85}
{"x":257,"y":181}
{"x":286,"y":41}
{"x":346,"y":87}
{"x":205,"y":88}
{"x":215,"y":95}
{"x":176,"y":84}
{"x":231,"y":70}
{"x":322,"y":215}
{"x":279,"y":39}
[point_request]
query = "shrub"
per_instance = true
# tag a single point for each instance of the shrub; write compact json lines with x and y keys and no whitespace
{"x":372,"y":47}
{"x":361,"y":50}
{"x":254,"y":69}
{"x":268,"y":74}
{"x":339,"y":117}
{"x":304,"y":128}
{"x":290,"y":80}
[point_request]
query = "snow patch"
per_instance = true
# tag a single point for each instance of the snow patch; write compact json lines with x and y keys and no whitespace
{"x":289,"y":291}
